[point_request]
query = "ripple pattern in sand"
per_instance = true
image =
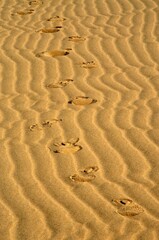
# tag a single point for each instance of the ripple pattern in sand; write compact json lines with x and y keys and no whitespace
{"x":100,"y":52}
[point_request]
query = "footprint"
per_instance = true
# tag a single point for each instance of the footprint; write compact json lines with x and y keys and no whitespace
{"x":68,"y":147}
{"x":56,"y":18}
{"x":78,"y":178}
{"x":25,"y":12}
{"x":46,"y":123}
{"x":127,"y":207}
{"x":49,"y":123}
{"x":49,"y":30}
{"x":80,"y":100}
{"x":90,"y":170}
{"x":35,"y":2}
{"x":54,"y":53}
{"x":90,"y":64}
{"x":60,"y":84}
{"x":76,"y":39}
{"x":85,"y":175}
{"x":34,"y":127}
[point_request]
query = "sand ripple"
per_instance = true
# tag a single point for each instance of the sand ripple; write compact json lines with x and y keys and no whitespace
{"x":79,"y":132}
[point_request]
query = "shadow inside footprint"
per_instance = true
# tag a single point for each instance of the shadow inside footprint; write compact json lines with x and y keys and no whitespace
{"x":76,"y":39}
{"x":67,"y":147}
{"x":54,"y":53}
{"x":80,"y":100}
{"x":127,"y":207}
{"x":60,"y":84}
{"x":91,"y":64}
{"x":49,"y":30}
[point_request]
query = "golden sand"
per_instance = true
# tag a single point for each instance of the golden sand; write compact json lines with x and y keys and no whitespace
{"x":79,"y":121}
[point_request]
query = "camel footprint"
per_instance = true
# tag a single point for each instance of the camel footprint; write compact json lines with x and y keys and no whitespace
{"x":49,"y":30}
{"x":127,"y":207}
{"x":67,"y":147}
{"x":56,"y":19}
{"x":60,"y":84}
{"x":91,"y":64}
{"x":90,"y":170}
{"x":54,"y":53}
{"x":35,"y":2}
{"x":76,"y":39}
{"x":34,"y":127}
{"x":78,"y":178}
{"x":49,"y":123}
{"x":81,"y":100}
{"x":86,"y":175}
{"x":44,"y":124}
{"x":25,"y":12}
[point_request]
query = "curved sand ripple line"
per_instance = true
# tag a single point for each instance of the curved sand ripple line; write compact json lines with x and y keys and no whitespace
{"x":7,"y":221}
{"x":60,"y":186}
{"x":119,"y":133}
{"x":11,"y":195}
{"x":37,"y":194}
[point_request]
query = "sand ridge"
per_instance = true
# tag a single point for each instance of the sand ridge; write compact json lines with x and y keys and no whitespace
{"x":79,"y":120}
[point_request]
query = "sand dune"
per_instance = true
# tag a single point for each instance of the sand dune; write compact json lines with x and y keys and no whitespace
{"x":79,"y":120}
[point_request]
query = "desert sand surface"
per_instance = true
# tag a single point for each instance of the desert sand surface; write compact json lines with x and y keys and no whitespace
{"x":79,"y":120}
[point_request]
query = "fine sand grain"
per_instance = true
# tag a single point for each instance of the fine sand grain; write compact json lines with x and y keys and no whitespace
{"x":79,"y":120}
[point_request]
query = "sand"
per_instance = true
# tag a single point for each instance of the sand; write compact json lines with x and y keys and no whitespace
{"x":79,"y":121}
